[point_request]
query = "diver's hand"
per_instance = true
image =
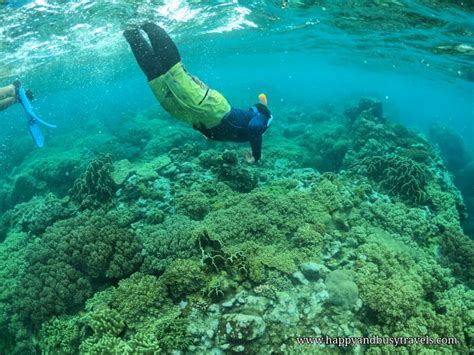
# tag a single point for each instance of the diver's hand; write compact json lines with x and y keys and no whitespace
{"x":248,"y":157}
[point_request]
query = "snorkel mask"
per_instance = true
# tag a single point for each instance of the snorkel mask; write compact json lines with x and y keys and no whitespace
{"x":262,"y":108}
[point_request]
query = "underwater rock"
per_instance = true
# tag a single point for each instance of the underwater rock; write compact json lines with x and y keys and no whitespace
{"x":343,"y":291}
{"x":313,"y":271}
{"x":123,"y":169}
{"x":451,"y":145}
{"x":24,"y":188}
{"x":242,"y":327}
{"x":299,"y":277}
{"x":374,"y":108}
{"x":286,"y":310}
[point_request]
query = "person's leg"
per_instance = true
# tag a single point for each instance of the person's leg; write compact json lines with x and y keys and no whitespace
{"x":7,"y":91}
{"x":7,"y":102}
{"x":144,"y":54}
{"x":163,"y":46}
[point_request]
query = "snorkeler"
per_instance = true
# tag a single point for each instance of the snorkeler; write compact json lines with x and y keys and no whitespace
{"x":14,"y":93}
{"x":188,"y":99}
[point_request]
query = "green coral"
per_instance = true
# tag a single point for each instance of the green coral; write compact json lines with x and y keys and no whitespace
{"x":39,"y":213}
{"x":13,"y":265}
{"x":393,"y":298}
{"x":107,"y":344}
{"x":48,"y":289}
{"x":229,"y":170}
{"x":138,"y":297}
{"x":413,"y":224}
{"x":399,"y":175}
{"x":60,"y":335}
{"x":73,"y":254}
{"x":105,"y":321}
{"x":263,"y":259}
{"x":96,"y":185}
{"x":145,"y":343}
{"x":173,"y":334}
{"x":172,"y":239}
{"x":396,"y":293}
{"x":310,"y":237}
{"x":219,"y":285}
{"x":195,"y":205}
{"x":183,"y":277}
{"x":458,"y":254}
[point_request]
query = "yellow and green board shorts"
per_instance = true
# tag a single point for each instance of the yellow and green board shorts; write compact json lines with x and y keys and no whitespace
{"x":188,"y":99}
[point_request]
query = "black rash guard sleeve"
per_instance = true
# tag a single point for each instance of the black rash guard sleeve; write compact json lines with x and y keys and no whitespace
{"x":256,"y":145}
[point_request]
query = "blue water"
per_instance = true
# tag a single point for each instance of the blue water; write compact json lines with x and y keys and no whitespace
{"x":289,"y":79}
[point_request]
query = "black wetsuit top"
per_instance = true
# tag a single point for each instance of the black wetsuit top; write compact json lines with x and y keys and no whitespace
{"x":241,"y":126}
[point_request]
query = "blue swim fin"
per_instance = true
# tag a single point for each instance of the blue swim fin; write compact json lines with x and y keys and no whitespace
{"x":36,"y":133}
{"x":33,"y":119}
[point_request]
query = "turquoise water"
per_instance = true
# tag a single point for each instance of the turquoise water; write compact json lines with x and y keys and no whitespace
{"x":350,"y":226}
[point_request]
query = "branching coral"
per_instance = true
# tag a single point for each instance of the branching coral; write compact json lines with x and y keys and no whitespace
{"x":105,"y":321}
{"x":60,"y":335}
{"x":399,"y":175}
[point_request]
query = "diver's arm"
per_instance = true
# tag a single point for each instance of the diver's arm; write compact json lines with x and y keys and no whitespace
{"x":257,"y":126}
{"x":256,"y":145}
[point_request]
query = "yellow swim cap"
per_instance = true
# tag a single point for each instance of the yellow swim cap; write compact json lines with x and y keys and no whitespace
{"x":263,"y":99}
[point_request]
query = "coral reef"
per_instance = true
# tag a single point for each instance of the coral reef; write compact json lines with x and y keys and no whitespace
{"x":186,"y":249}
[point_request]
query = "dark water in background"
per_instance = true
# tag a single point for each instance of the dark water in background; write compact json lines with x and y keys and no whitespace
{"x":415,"y":56}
